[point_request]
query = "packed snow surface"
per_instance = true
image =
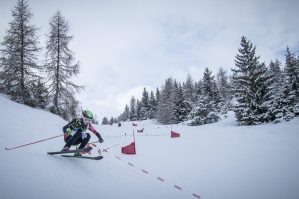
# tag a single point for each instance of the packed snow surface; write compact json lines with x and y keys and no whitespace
{"x":215,"y":161}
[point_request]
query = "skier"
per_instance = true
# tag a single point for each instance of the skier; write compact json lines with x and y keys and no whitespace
{"x":74,"y":132}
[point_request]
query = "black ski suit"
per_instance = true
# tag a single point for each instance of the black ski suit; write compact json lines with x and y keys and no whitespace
{"x":79,"y":137}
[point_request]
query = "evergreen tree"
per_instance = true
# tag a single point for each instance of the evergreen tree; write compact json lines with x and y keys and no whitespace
{"x":224,"y":90}
{"x":157,"y":94}
{"x":105,"y":121}
{"x":132,"y":114}
{"x":19,"y":51}
{"x":206,"y":108}
{"x":181,"y":106}
{"x":203,"y":112}
{"x":126,"y":114}
{"x":252,"y":86}
{"x":198,"y":90}
{"x":215,"y":96}
{"x":144,"y":105}
{"x":59,"y":64}
{"x":153,"y":106}
{"x":157,"y":97}
{"x":95,"y":119}
{"x":277,"y":73}
{"x":207,"y":85}
{"x":138,"y":110}
{"x":189,"y":91}
{"x":111,"y":121}
{"x":292,"y":72}
{"x":283,"y":98}
{"x":166,"y":103}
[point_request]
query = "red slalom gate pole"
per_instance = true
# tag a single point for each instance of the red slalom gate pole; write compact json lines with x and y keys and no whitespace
{"x":133,"y":136}
{"x":11,"y":148}
{"x":134,"y":142}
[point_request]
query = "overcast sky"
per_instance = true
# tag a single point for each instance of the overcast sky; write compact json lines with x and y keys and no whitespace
{"x":126,"y":45}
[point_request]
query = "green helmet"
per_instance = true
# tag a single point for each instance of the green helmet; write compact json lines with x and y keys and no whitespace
{"x":87,"y":114}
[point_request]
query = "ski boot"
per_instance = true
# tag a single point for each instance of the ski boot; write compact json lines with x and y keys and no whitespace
{"x":77,"y":154}
{"x":65,"y":148}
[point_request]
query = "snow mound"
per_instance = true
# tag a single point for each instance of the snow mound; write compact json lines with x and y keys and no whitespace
{"x":219,"y":160}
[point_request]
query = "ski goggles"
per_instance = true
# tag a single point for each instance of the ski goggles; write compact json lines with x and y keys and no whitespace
{"x":87,"y":119}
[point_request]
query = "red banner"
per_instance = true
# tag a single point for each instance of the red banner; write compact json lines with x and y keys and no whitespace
{"x":174,"y":134}
{"x":130,"y":149}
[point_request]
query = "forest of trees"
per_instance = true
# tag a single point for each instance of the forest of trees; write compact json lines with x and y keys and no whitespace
{"x":255,"y":92}
{"x":39,"y":83}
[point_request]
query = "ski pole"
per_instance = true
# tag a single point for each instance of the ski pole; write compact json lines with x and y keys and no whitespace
{"x":11,"y":148}
{"x":93,"y":142}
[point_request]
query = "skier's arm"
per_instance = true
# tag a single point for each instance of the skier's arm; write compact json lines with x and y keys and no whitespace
{"x":68,"y":127}
{"x":95,"y":132}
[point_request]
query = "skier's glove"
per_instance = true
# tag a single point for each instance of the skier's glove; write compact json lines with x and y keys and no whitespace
{"x":68,"y":131}
{"x":99,"y":137}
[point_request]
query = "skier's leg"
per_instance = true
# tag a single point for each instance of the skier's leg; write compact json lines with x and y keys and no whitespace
{"x":84,"y":140}
{"x":73,"y":139}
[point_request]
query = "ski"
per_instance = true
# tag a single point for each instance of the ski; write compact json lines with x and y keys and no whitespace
{"x":87,"y":149}
{"x":84,"y":157}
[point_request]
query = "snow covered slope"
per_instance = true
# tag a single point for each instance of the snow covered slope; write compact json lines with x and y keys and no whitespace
{"x":213,"y":161}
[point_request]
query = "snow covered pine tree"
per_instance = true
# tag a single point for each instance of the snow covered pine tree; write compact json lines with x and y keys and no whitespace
{"x":252,"y":86}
